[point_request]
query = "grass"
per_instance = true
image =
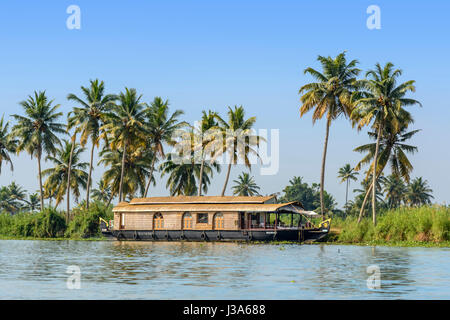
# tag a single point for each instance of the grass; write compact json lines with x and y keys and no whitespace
{"x":428,"y":225}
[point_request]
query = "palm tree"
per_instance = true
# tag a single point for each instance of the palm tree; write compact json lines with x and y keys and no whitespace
{"x":128,"y":174}
{"x":347,"y":173}
{"x":32,"y":203}
{"x":37,"y":130}
{"x":16,"y":192}
{"x":381,"y":102}
{"x":239,"y":139}
{"x":330,"y":95}
{"x":395,"y":190}
{"x":6,"y":202}
{"x":366,"y":186}
{"x":57,"y":177}
{"x":161,"y":126}
{"x":12,"y":198}
{"x":103,"y":191}
{"x":125,"y":127}
{"x":207,"y":124}
{"x":182,"y":175}
{"x":201,"y":141}
{"x":245,"y":186}
{"x":8,"y":144}
{"x":87,"y":118}
{"x":419,"y":193}
{"x":392,"y":150}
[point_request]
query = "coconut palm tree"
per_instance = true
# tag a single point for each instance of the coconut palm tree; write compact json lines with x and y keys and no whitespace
{"x":87,"y":118}
{"x":8,"y":144}
{"x":161,"y":126}
{"x":103,"y":191}
{"x":36,"y":131}
{"x":366,"y":185}
{"x":245,"y":186}
{"x":419,"y":193}
{"x":380,"y":104}
{"x":201,"y":141}
{"x":57,"y":177}
{"x":330,"y":96}
{"x":128,"y":174}
{"x":32,"y":203}
{"x":183,"y":174}
{"x":239,"y":139}
{"x":392,"y":150}
{"x":12,"y":197}
{"x":6,"y":202}
{"x":347,"y":173}
{"x":125,"y":128}
{"x":207,"y":124}
{"x":395,"y":190}
{"x":16,"y":192}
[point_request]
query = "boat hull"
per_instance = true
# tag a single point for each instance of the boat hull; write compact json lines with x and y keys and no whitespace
{"x":219,"y":235}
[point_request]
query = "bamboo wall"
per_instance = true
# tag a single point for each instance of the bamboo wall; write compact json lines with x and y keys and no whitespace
{"x":173,"y":221}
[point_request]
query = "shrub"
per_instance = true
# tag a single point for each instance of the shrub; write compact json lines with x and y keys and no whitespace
{"x":402,"y":224}
{"x":85,"y":223}
{"x":48,"y":223}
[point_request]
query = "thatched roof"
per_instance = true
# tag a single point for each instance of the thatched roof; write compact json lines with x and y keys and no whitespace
{"x":213,"y":204}
{"x":203,"y":199}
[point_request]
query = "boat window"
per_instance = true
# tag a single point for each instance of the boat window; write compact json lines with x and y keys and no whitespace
{"x":122,"y":220}
{"x":158,"y":221}
{"x":187,"y":221}
{"x":202,"y":218}
{"x":218,"y":221}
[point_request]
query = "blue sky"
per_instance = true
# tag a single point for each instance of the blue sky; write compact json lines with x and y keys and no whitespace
{"x":211,"y":54}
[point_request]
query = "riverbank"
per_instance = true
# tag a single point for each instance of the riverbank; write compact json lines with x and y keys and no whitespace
{"x":404,"y":227}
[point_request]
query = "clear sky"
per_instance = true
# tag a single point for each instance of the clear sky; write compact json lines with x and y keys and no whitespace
{"x":211,"y":54}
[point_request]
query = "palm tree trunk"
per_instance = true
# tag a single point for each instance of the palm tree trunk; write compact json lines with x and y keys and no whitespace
{"x":110,"y":199}
{"x":322,"y":175}
{"x":69,"y":172}
{"x":346,"y":194}
{"x":123,"y":170}
{"x":228,"y":175}
{"x":89,"y":176}
{"x":151,"y":175}
{"x":40,"y":180}
{"x":375,"y":162}
{"x":200,"y":179}
{"x":366,"y":197}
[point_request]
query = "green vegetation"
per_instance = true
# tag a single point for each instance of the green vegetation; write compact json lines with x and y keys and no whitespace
{"x":405,"y":224}
{"x":131,"y":136}
{"x":245,"y":185}
{"x":51,"y":224}
{"x":48,"y":223}
{"x":309,"y":196}
{"x":85,"y":222}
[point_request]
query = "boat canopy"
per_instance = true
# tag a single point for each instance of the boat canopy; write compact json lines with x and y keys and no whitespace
{"x":208,"y":204}
{"x":204,"y":199}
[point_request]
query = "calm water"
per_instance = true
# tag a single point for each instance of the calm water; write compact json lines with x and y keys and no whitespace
{"x":176,"y":270}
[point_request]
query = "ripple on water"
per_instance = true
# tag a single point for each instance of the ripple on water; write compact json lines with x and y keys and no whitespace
{"x":187,"y":270}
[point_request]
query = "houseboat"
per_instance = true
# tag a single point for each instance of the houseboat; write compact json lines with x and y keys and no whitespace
{"x":209,"y":218}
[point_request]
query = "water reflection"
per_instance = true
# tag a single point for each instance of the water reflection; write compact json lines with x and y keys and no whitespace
{"x":187,"y":270}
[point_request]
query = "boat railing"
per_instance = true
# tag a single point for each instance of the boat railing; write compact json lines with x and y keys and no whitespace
{"x":280,"y":227}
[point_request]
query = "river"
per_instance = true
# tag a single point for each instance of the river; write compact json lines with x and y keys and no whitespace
{"x":188,"y":270}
